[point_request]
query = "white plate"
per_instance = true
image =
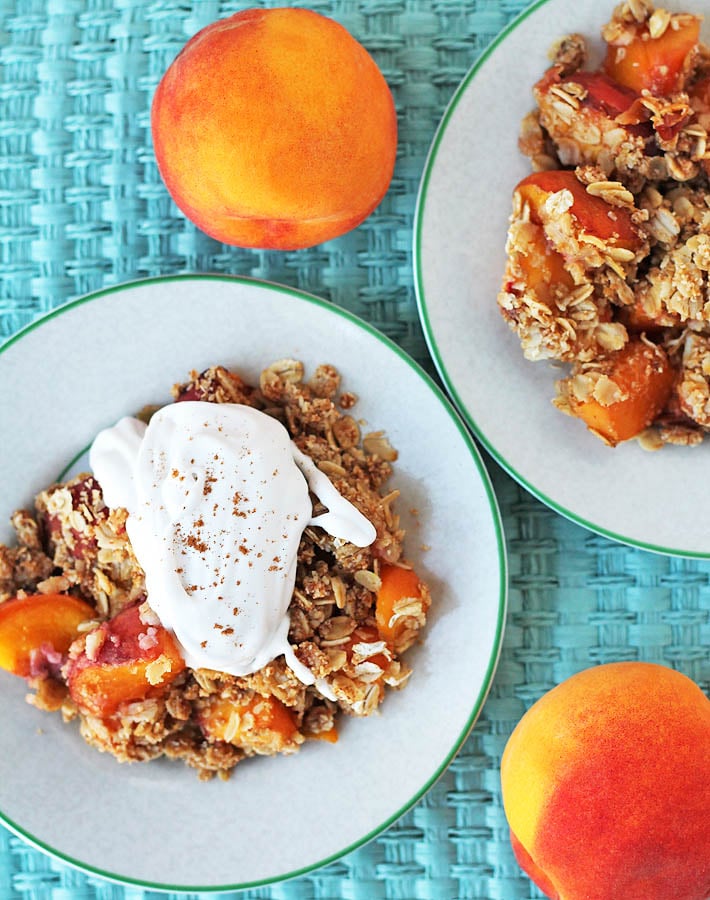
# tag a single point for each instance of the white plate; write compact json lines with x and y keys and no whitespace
{"x":659,"y":501}
{"x":89,"y":363}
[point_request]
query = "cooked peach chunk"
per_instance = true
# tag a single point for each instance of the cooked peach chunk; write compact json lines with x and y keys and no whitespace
{"x":543,"y":268}
{"x":38,"y":623}
{"x":611,"y":224}
{"x":604,"y":93}
{"x":638,"y":318}
{"x":656,"y":64}
{"x":367,"y":634}
{"x":330,"y":736}
{"x":398,"y":588}
{"x":227,"y":720}
{"x":642,"y":377}
{"x":599,"y":91}
{"x":123,"y":660}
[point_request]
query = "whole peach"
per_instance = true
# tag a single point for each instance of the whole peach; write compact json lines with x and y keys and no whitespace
{"x":275,"y":128}
{"x":606,"y":786}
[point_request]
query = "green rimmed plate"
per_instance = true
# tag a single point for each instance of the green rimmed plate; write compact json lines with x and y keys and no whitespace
{"x":94,"y":360}
{"x":657,"y":501}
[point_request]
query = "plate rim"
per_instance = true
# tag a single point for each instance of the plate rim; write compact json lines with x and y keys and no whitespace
{"x":430,"y":338}
{"x":502,"y":562}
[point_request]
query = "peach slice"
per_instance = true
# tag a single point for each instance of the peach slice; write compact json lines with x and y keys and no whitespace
{"x":124,"y":660}
{"x":606,"y":786}
{"x":542,"y":268}
{"x":621,"y":105}
{"x":39,"y":622}
{"x":645,"y":376}
{"x":600,"y":92}
{"x":659,"y":64}
{"x":604,"y":93}
{"x":222,"y":719}
{"x":331,"y":736}
{"x":595,"y":216}
{"x":637,"y":319}
{"x":396,"y":587}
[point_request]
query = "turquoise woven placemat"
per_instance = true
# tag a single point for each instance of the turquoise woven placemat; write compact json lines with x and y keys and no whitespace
{"x":82,"y":207}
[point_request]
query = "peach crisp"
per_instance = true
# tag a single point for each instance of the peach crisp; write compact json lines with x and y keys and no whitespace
{"x":263,"y":645}
{"x":608,"y":248}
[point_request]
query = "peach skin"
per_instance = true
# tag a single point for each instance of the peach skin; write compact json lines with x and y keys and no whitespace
{"x":606,"y":786}
{"x":274,"y":128}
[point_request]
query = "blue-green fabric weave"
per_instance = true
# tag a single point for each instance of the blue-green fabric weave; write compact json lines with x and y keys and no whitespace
{"x":82,"y":206}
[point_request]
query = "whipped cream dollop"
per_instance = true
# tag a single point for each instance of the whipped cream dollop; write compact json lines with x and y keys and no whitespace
{"x":218,"y":497}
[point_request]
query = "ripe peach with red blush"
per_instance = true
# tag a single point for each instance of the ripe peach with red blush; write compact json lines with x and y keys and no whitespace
{"x":275,"y":128}
{"x":606,"y":786}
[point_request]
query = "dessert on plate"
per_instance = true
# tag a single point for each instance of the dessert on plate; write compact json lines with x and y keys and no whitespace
{"x":609,"y":240}
{"x":227,"y":580}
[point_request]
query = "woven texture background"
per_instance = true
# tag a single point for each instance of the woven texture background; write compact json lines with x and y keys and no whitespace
{"x":82,"y":206}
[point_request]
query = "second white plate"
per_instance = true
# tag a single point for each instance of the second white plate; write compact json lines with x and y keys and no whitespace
{"x":659,"y":501}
